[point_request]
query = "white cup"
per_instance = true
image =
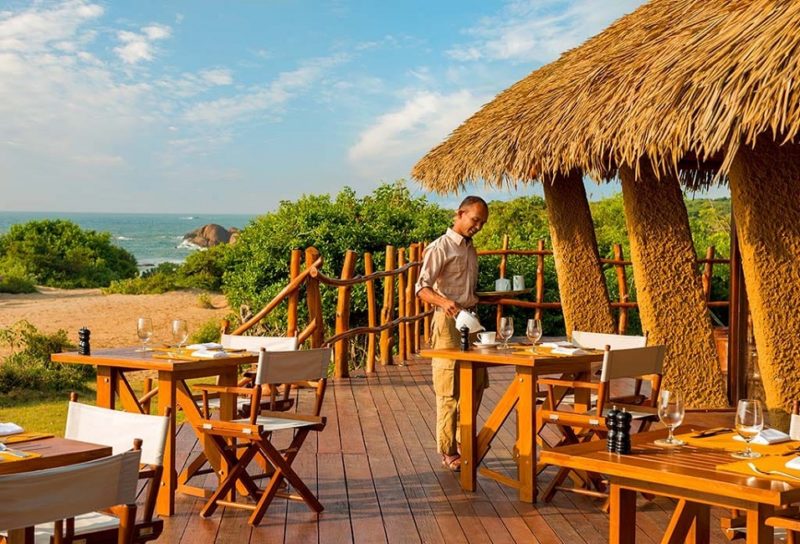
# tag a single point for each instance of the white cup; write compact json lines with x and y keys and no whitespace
{"x":502,"y":284}
{"x":519,"y":283}
{"x":487,"y":337}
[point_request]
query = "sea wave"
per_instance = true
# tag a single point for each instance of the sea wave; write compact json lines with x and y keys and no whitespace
{"x":189,"y":217}
{"x":124,"y":238}
{"x":186,"y":244}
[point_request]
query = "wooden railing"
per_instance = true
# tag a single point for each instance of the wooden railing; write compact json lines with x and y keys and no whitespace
{"x":401,"y":267}
{"x":404,"y":320}
{"x":619,"y":263}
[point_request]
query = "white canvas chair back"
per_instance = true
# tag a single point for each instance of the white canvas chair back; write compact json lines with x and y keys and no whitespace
{"x":276,"y":367}
{"x":598,"y":340}
{"x":632,"y":363}
{"x":48,"y":495}
{"x":118,"y":429}
{"x":255,"y":343}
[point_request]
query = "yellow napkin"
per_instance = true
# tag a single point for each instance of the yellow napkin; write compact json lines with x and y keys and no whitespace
{"x":763,"y":463}
{"x":5,"y":456}
{"x":726,"y":442}
{"x":24,"y":437}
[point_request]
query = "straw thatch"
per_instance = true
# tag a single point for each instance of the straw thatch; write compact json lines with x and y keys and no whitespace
{"x":683,"y":82}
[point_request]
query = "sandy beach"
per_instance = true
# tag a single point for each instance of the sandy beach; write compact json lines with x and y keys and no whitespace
{"x":111,"y":318}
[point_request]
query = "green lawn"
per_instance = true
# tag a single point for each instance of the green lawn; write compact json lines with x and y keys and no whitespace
{"x":47,"y":412}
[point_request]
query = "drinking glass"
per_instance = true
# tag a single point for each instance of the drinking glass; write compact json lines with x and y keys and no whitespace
{"x":534,"y":330}
{"x":144,"y":329}
{"x":180,"y":332}
{"x":670,"y":412}
{"x":749,"y":422}
{"x":506,"y":329}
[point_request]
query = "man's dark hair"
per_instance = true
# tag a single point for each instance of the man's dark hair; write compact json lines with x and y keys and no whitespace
{"x":471,"y":201}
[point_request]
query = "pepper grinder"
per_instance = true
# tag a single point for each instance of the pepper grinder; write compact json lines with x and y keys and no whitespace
{"x":623,"y":427}
{"x":611,"y":425}
{"x":464,"y":338}
{"x":84,"y":347}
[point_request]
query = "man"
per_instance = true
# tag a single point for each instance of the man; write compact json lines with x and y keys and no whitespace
{"x":447,"y":280}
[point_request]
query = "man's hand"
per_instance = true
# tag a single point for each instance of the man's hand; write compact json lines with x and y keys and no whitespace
{"x":431,"y":297}
{"x":450,"y":307}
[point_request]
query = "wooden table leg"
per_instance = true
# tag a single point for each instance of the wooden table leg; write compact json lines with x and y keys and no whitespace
{"x":622,"y":515}
{"x":757,"y":531}
{"x":526,"y":434}
{"x":468,"y":419}
{"x":689,"y":523}
{"x":165,"y":505}
{"x":106,"y":382}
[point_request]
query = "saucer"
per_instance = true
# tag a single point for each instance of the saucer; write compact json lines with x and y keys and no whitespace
{"x":486,"y":344}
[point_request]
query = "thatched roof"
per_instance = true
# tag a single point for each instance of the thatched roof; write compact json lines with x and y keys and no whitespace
{"x":684,"y":82}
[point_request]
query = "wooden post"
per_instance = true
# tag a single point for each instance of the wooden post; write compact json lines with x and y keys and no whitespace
{"x":369,"y":269}
{"x":402,"y":339}
{"x":294,"y":298}
{"x":314,"y":301}
{"x":739,"y":308}
{"x":224,"y":326}
{"x":426,"y":328}
{"x":341,"y":353}
{"x":503,"y":263}
{"x":411,"y":344}
{"x":707,"y":272}
{"x":387,"y":311}
{"x":622,"y":286}
{"x":539,"y":278}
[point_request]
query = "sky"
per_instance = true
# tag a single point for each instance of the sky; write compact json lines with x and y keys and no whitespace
{"x":229,"y":107}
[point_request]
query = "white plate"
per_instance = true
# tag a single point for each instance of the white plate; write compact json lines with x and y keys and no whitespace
{"x":486,"y":345}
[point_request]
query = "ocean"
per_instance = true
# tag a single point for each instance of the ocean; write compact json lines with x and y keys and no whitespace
{"x":151,"y":238}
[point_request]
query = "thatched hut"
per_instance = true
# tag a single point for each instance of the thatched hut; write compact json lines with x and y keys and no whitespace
{"x":689,"y":92}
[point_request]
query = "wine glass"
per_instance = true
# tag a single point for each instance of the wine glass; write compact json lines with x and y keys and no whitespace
{"x":180,"y":332}
{"x":534,"y":330}
{"x":506,"y":329}
{"x":670,"y":412}
{"x":144,"y":330}
{"x":749,"y":422}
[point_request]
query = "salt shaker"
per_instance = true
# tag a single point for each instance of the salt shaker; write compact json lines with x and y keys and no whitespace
{"x":611,"y":425}
{"x":623,"y":442}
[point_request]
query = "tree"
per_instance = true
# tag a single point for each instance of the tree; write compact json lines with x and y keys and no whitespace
{"x":58,"y":253}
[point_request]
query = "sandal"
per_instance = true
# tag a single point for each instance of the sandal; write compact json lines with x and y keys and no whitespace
{"x":451,"y":462}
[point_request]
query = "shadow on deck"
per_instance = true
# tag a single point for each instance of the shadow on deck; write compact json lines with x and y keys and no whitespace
{"x":376,"y":471}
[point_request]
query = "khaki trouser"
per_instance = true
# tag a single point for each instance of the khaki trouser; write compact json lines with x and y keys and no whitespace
{"x":445,"y":384}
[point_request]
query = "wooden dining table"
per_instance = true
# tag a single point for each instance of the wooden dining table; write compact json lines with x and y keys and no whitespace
{"x":113,"y":366}
{"x":49,"y":452}
{"x":691,"y":474}
{"x":521,"y":394}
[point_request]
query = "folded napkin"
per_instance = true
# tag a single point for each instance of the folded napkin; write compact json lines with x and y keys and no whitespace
{"x":207,"y":345}
{"x":767,"y":436}
{"x":10,"y":428}
{"x":794,"y":463}
{"x":568,"y":351}
{"x":206,"y":354}
{"x":554,"y":345}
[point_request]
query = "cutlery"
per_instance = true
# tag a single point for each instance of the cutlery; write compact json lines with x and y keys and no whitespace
{"x":15,"y":453}
{"x":792,"y":451}
{"x":712,"y":432}
{"x":757,"y":470}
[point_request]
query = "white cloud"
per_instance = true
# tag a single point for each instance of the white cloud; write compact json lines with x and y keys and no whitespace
{"x":263,"y":100}
{"x":397,"y":138}
{"x":35,"y":29}
{"x":217,"y":76}
{"x":538,"y":30}
{"x":137,"y":47}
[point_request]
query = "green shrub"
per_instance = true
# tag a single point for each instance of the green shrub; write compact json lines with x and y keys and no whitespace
{"x":257,"y":265}
{"x":208,"y":332}
{"x":29,"y":366}
{"x":16,"y":285}
{"x":58,"y":253}
{"x":160,"y":279}
{"x":204,"y":301}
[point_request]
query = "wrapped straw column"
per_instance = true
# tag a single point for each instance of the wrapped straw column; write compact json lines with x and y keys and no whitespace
{"x":765,"y":194}
{"x":668,"y":288}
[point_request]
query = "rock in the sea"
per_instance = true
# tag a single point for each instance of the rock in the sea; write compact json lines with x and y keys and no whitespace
{"x":208,"y":235}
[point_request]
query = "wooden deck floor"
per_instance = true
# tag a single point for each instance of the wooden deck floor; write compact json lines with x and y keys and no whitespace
{"x":376,"y":471}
